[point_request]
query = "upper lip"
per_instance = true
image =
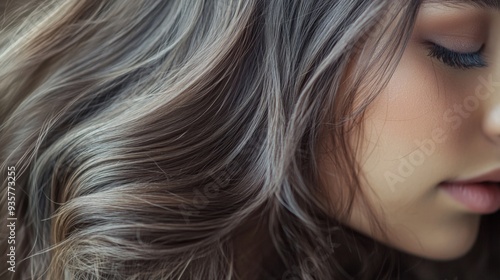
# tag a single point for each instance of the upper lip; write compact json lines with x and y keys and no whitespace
{"x":492,"y":177}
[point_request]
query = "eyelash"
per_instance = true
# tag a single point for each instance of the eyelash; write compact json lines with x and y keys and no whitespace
{"x":455,"y":59}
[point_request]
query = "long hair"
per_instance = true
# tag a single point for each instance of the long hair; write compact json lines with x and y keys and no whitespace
{"x":169,"y":139}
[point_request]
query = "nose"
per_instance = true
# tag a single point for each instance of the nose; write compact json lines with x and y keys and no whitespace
{"x":491,"y":121}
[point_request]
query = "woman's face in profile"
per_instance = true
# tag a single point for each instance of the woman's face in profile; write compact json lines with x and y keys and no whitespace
{"x":436,"y":125}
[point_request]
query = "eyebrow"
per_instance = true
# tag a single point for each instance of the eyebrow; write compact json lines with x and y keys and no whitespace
{"x":483,"y":4}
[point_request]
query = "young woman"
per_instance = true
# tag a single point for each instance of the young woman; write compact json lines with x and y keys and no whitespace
{"x":250,"y":139}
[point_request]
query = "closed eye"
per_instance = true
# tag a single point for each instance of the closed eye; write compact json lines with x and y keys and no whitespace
{"x":456,"y":59}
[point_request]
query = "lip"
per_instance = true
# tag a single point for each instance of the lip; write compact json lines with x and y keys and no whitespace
{"x":480,"y":194}
{"x":492,"y":176}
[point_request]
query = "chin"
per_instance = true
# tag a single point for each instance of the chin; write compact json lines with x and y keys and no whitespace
{"x":447,"y":244}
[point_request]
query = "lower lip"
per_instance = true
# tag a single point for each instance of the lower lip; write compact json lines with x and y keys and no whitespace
{"x":479,"y":197}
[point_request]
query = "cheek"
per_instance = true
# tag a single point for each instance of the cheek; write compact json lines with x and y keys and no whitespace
{"x":398,"y":175}
{"x":415,"y":119}
{"x":410,"y":107}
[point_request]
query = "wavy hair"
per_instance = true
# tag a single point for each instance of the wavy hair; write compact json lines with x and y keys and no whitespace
{"x":179,"y":139}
